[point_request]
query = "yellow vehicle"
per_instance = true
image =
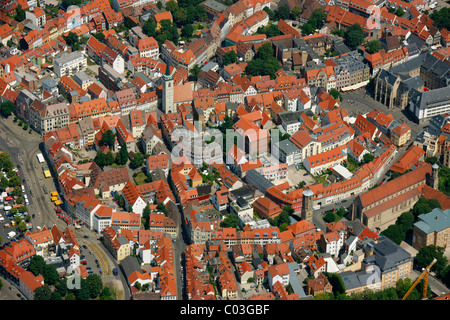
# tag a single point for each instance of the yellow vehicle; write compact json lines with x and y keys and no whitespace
{"x":54,"y":194}
{"x":54,"y":199}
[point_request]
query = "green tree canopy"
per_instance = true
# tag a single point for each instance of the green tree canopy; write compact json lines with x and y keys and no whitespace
{"x":7,"y":108}
{"x":50,"y":274}
{"x":336,"y":94}
{"x":37,"y":264}
{"x":95,"y":285}
{"x":354,"y":36}
{"x":395,"y":233}
{"x":441,"y":18}
{"x":229,"y":58}
{"x":283,"y":12}
{"x":271,"y":30}
{"x":187,"y":31}
{"x":373,"y":46}
{"x":109,"y":138}
{"x":426,"y":255}
{"x":43,"y":293}
{"x":264,"y":62}
{"x":137,"y":161}
{"x":230,"y":221}
{"x":149,"y":27}
{"x":423,"y":206}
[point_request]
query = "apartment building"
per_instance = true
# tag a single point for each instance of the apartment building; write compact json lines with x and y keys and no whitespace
{"x":69,"y":64}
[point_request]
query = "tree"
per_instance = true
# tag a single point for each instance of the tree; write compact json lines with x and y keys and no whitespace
{"x":37,"y":264}
{"x":7,"y":108}
{"x":307,"y":28}
{"x":403,"y":285}
{"x":272,"y":15}
{"x":264,"y":62}
{"x":317,"y":18}
{"x":82,"y":293}
{"x":354,"y":36}
{"x":14,"y":181}
{"x":172,"y":6}
{"x":55,"y":295}
{"x":106,"y":294}
{"x":42,"y":293}
{"x":283,"y":12}
{"x":441,"y":18}
{"x":194,"y":71}
{"x":395,"y":233}
{"x":99,"y":36}
{"x":146,"y":217}
{"x":202,"y":15}
{"x":180,"y":17}
{"x":3,"y":183}
{"x":337,"y":283}
{"x":423,"y":206}
{"x":122,"y":156}
{"x":426,"y":255}
{"x":336,"y":94}
{"x":373,"y":46}
{"x":50,"y":274}
{"x":109,"y":138}
{"x":296,"y":12}
{"x":61,"y":287}
{"x":17,"y":191}
{"x":368,"y":157}
{"x":399,"y":12}
{"x":22,"y":226}
{"x":231,"y":221}
{"x":187,"y":31}
{"x":405,"y":220}
{"x":20,"y":14}
{"x":95,"y":285}
{"x":229,"y":58}
{"x":149,"y":27}
{"x":72,"y":39}
{"x":137,"y":161}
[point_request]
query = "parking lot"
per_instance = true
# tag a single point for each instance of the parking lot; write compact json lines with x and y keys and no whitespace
{"x":359,"y":102}
{"x":296,"y":176}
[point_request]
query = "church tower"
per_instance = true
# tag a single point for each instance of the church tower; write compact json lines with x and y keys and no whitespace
{"x":435,"y":177}
{"x":307,"y":206}
{"x":167,"y":92}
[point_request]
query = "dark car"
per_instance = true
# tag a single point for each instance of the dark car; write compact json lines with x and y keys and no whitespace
{"x":84,"y":246}
{"x":86,"y":237}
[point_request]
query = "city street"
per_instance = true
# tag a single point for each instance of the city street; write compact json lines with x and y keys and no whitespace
{"x":23,"y":147}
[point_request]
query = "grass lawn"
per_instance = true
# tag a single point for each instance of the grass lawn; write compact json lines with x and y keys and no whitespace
{"x":140,"y":178}
{"x":323,"y":179}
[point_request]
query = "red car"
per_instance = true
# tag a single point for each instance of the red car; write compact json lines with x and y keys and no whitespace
{"x":83,"y":261}
{"x":58,"y":210}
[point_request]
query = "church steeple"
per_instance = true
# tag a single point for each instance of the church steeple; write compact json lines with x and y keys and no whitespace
{"x":168,"y":92}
